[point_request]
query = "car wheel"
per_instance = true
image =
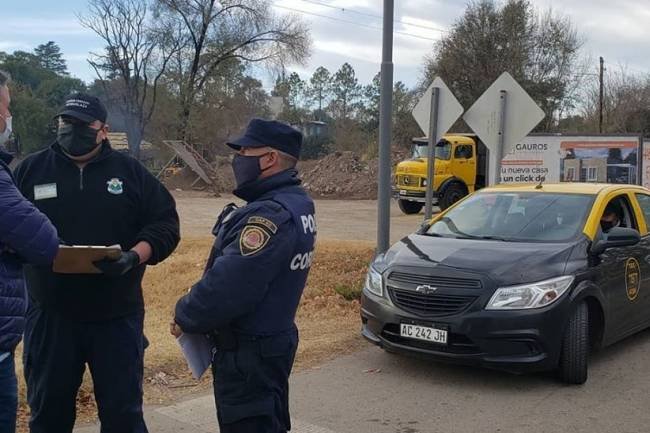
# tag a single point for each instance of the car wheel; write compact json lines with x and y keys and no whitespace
{"x":575,"y":347}
{"x":410,"y":207}
{"x":453,"y":193}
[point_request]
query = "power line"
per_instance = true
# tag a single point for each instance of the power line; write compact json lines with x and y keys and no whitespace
{"x":352,"y":22}
{"x":342,"y":9}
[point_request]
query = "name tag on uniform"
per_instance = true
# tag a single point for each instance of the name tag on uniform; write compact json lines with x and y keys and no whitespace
{"x":42,"y":192}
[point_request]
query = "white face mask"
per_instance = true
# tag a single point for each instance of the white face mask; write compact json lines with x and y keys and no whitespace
{"x":4,"y":136}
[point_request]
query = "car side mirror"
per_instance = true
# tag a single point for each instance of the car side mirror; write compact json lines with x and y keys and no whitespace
{"x":616,"y":237}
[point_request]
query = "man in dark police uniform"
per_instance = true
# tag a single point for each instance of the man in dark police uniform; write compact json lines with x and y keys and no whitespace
{"x":255,"y":276}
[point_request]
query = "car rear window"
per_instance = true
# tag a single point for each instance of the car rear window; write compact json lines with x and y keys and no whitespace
{"x":516,"y":217}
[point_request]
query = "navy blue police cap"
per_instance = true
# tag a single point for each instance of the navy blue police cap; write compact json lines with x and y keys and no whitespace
{"x":271,"y":133}
{"x":84,"y":107}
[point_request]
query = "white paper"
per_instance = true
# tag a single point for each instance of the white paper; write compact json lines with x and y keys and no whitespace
{"x":197,"y":350}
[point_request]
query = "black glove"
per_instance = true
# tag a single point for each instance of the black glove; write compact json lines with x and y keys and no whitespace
{"x":115,"y":268}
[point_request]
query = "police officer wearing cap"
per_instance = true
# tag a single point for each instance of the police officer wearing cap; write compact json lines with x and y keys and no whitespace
{"x":248,"y":296}
{"x":94,"y":196}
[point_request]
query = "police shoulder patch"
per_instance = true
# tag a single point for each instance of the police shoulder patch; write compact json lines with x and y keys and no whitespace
{"x":264,"y":222}
{"x":253,"y":239}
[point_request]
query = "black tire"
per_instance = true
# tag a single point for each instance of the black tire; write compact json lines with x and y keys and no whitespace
{"x":574,"y":357}
{"x":452,"y":194}
{"x":410,"y":207}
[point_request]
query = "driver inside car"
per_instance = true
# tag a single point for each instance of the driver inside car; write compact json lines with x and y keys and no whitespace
{"x":610,"y":218}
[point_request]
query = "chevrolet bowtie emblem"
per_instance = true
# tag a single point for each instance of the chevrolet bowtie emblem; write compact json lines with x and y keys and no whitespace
{"x":425,"y":289}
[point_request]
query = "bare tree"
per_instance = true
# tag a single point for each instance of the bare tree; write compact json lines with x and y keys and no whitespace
{"x":626,"y":102}
{"x":134,"y":60}
{"x":215,"y":32}
{"x":540,"y":50}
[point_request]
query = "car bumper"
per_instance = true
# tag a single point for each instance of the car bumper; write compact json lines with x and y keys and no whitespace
{"x":516,"y":341}
{"x":412,"y":195}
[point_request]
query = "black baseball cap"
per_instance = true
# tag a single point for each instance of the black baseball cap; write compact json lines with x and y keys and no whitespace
{"x":84,"y":107}
{"x":271,"y":133}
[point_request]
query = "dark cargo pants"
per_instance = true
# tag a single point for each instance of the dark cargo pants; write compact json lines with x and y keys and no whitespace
{"x":56,"y":353}
{"x":251,"y":384}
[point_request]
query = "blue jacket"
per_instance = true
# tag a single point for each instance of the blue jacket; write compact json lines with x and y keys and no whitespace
{"x":259,"y":263}
{"x":26,"y":235}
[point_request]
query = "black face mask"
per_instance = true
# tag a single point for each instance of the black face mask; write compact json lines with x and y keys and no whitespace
{"x":246,"y":168}
{"x":77,"y":140}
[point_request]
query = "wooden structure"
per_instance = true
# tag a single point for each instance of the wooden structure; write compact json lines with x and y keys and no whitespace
{"x":194,"y":160}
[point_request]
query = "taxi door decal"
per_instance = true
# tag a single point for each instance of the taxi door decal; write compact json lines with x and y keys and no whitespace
{"x":632,"y":278}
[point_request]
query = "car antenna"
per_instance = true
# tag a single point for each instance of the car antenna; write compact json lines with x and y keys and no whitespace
{"x":541,"y":181}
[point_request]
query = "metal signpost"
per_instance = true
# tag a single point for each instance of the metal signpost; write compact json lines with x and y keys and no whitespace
{"x":435,"y":113}
{"x":385,"y":131}
{"x":502,"y":116}
{"x":431,"y":152}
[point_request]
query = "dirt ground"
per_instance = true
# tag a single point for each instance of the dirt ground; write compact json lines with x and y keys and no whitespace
{"x":336,"y":219}
{"x":328,"y":324}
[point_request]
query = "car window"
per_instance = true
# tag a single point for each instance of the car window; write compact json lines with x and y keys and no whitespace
{"x":442,"y":151}
{"x":534,"y":217}
{"x":624,"y":211}
{"x":644,"y":202}
{"x":463,"y":151}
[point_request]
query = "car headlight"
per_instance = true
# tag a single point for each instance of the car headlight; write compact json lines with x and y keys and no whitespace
{"x":374,"y":282}
{"x":424,"y":182}
{"x":526,"y":296}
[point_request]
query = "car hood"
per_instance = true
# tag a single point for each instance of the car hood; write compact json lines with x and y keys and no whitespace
{"x":506,"y":263}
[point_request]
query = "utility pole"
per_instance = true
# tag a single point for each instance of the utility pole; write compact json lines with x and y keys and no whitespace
{"x":600,"y":120}
{"x":385,"y":130}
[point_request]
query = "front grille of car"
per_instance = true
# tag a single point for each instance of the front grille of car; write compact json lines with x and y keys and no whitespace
{"x":435,"y":281}
{"x":429,"y":304}
{"x":409,"y":181}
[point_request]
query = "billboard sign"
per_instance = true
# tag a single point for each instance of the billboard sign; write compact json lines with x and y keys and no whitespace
{"x":562,"y":158}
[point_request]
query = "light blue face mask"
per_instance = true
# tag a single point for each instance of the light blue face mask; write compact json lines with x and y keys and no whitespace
{"x":4,"y":136}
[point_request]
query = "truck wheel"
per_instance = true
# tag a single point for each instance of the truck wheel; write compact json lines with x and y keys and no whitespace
{"x":410,"y":207}
{"x":453,"y":193}
{"x":575,"y":347}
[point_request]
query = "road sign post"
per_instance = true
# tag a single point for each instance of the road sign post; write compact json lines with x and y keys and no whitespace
{"x":502,"y":116}
{"x":503,"y":100}
{"x":435,"y":113}
{"x":433,"y":133}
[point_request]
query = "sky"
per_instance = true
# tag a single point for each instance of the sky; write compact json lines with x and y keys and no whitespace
{"x":350,"y":31}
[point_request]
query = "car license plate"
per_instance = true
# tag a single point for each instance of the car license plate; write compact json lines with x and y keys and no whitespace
{"x":425,"y":333}
{"x":403,"y":192}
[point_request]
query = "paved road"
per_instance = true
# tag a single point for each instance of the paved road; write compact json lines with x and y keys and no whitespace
{"x":374,"y":392}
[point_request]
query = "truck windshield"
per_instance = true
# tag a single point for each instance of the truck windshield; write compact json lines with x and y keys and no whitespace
{"x":516,"y":217}
{"x":442,"y":152}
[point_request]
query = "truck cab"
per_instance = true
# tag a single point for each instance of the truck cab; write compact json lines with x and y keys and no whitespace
{"x":460,"y":169}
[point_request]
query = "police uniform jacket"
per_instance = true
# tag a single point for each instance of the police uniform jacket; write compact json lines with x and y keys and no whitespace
{"x":259,"y":263}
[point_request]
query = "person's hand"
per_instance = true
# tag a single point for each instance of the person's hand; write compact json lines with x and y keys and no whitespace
{"x":174,"y":329}
{"x":115,"y":268}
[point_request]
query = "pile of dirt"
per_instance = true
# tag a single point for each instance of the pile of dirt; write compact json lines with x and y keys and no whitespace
{"x":340,"y":175}
{"x":344,"y":175}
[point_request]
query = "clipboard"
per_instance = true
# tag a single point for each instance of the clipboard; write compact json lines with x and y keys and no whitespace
{"x":78,"y":259}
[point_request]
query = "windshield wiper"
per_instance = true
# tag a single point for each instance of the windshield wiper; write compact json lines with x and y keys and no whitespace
{"x":462,"y":235}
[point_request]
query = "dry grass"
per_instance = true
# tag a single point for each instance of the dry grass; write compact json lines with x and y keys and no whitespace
{"x":328,"y":324}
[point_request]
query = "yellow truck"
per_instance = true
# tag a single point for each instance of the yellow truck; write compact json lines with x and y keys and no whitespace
{"x":460,"y":168}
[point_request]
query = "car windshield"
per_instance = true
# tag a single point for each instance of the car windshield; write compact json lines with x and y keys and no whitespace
{"x":442,"y":151}
{"x":516,"y":217}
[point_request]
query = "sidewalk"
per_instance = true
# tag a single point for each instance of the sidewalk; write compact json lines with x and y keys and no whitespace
{"x":194,"y":416}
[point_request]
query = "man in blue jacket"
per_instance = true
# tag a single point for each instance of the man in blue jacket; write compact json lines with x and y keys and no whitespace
{"x":26,"y":235}
{"x":255,"y":276}
{"x":94,"y":196}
